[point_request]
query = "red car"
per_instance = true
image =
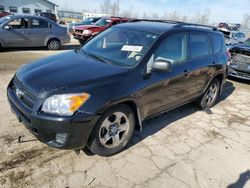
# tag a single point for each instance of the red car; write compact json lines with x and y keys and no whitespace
{"x":83,"y":33}
{"x":2,"y":14}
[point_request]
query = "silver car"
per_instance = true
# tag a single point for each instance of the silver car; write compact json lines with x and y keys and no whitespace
{"x":28,"y":30}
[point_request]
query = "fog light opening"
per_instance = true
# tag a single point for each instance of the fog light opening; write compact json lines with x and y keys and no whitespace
{"x":61,"y":138}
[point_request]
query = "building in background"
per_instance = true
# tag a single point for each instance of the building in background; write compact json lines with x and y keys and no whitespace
{"x":69,"y":16}
{"x":27,"y":6}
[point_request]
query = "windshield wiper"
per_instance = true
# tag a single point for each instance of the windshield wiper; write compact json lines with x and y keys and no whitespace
{"x":96,"y":57}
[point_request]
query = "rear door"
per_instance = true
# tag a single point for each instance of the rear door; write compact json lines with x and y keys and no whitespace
{"x":201,"y":61}
{"x":40,"y":29}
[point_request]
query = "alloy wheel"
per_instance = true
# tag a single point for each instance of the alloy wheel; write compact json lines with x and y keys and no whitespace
{"x":114,"y":130}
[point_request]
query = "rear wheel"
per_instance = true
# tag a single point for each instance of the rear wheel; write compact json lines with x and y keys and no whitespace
{"x":211,"y":95}
{"x":113,"y":131}
{"x":54,"y":44}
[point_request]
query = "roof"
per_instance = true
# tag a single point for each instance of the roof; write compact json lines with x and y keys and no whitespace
{"x":51,"y":3}
{"x":148,"y":26}
{"x":161,"y":26}
{"x":17,"y":16}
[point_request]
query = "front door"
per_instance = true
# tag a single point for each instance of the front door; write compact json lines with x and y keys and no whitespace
{"x":169,"y":88}
{"x":17,"y":34}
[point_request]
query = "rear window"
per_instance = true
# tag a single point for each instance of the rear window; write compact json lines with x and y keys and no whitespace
{"x":198,"y":45}
{"x":216,"y":43}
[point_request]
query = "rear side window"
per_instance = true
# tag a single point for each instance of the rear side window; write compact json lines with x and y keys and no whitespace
{"x":198,"y":45}
{"x":38,"y":24}
{"x":216,"y":43}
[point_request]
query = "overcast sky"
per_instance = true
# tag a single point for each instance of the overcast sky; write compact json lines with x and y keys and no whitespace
{"x":220,"y":10}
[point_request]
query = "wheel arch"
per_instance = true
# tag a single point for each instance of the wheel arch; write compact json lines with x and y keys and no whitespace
{"x":131,"y":104}
{"x":51,"y":38}
{"x":221,"y":77}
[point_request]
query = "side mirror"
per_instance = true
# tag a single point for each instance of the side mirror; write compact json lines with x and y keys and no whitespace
{"x":162,"y":65}
{"x":7,"y":27}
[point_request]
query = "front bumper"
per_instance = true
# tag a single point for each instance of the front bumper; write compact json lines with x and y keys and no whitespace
{"x":81,"y":37}
{"x":238,"y":74}
{"x":46,"y":128}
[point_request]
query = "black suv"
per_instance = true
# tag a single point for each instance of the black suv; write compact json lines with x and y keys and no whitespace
{"x":95,"y":96}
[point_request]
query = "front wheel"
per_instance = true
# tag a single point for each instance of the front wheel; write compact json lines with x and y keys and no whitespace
{"x":211,"y":95}
{"x":113,"y":131}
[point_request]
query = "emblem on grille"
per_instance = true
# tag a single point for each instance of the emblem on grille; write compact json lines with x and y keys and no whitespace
{"x":19,"y":93}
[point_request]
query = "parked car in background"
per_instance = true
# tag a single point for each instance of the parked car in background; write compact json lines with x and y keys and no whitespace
{"x":83,"y":33}
{"x":229,"y":26}
{"x":87,"y":21}
{"x":2,"y":14}
{"x":27,"y":30}
{"x":233,"y":37}
{"x":48,"y":15}
{"x":240,"y":61}
{"x":97,"y":95}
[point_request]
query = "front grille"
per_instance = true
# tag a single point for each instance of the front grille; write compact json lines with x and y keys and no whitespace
{"x":26,"y":97}
{"x":78,"y":31}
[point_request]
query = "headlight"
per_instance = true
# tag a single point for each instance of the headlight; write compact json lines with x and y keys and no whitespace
{"x":65,"y":104}
{"x":86,"y":32}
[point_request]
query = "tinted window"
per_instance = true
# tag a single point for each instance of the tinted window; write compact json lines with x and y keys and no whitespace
{"x":37,"y":23}
{"x":38,"y":11}
{"x":13,"y":9}
{"x":26,"y":10}
{"x":173,"y":48}
{"x":216,"y":43}
{"x":198,"y":45}
{"x":1,"y":8}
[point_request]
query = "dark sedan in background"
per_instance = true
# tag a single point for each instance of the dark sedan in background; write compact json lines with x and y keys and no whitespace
{"x":240,"y":63}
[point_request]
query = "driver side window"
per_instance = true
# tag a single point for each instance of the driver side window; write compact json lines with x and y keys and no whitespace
{"x":18,"y":24}
{"x":173,"y":48}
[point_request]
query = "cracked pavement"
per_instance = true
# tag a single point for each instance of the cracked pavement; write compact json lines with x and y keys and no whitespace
{"x":185,"y":147}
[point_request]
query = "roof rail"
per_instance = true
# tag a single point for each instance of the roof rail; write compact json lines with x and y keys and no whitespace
{"x":178,"y":23}
{"x":150,"y":20}
{"x":195,"y":25}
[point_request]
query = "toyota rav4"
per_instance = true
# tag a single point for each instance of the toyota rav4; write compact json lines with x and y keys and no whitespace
{"x":96,"y":96}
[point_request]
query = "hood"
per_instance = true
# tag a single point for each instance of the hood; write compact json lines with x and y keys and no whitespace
{"x":84,"y":27}
{"x":67,"y":70}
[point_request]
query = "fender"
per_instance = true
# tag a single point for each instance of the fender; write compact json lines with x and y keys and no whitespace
{"x":218,"y":73}
{"x":131,"y":102}
{"x":51,"y":36}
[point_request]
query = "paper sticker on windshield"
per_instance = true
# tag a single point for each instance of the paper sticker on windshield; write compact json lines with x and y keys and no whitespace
{"x":130,"y":48}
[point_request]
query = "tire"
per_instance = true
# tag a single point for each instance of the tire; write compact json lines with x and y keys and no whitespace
{"x":113,"y":131}
{"x":54,"y":44}
{"x":210,"y":96}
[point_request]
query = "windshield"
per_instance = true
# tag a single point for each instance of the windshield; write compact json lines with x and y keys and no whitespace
{"x":247,"y":42}
{"x":103,"y":22}
{"x":4,"y":19}
{"x":120,"y":46}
